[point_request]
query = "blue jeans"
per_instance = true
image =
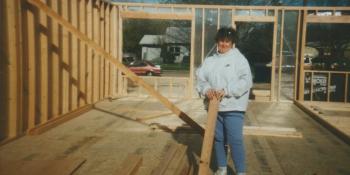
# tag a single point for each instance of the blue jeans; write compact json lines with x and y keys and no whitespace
{"x":229,"y":129}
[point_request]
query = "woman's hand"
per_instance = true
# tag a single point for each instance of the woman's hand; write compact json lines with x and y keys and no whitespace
{"x":211,"y":93}
{"x":220,"y":94}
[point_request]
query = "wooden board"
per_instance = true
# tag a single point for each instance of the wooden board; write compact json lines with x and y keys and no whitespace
{"x":153,"y":116}
{"x":96,"y":57}
{"x":58,"y":120}
{"x":107,"y":42}
{"x":11,"y":66}
{"x":164,"y":163}
{"x":89,"y":64}
{"x":272,"y":131}
{"x":55,"y":65}
{"x":273,"y":61}
{"x":254,"y":18}
{"x":118,"y":64}
{"x":130,"y":166}
{"x":43,"y":42}
{"x":40,"y":167}
{"x":65,"y":62}
{"x":82,"y":56}
{"x":208,"y":137}
{"x":113,"y":49}
{"x":102,"y":61}
{"x":174,"y":162}
{"x":73,"y":79}
{"x":305,"y":106}
{"x":327,"y":19}
{"x":145,"y":15}
{"x":30,"y":83}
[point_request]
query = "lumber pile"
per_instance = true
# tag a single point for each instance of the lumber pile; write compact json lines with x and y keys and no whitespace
{"x":175,"y":162}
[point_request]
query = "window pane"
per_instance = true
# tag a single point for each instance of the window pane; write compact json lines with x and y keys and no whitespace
{"x":337,"y":87}
{"x":319,"y":90}
{"x":211,"y":20}
{"x":198,"y":38}
{"x":255,"y":43}
{"x":328,"y":47}
{"x":289,"y":55}
{"x":225,"y":18}
{"x":165,"y":43}
{"x":307,"y":86}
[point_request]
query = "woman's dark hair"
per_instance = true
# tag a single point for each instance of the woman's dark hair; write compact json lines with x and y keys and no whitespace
{"x":226,"y":33}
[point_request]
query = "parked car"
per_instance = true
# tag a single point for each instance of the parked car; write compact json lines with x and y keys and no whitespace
{"x":141,"y":67}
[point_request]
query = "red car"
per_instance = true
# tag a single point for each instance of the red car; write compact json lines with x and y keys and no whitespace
{"x":144,"y":68}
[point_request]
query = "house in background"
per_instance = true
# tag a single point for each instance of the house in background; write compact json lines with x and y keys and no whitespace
{"x":152,"y":47}
{"x":173,"y":47}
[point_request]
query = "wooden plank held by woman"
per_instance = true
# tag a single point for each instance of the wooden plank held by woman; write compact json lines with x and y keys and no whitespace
{"x":208,"y":136}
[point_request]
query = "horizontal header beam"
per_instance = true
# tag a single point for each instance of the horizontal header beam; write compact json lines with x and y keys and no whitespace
{"x":254,"y":18}
{"x":328,"y":19}
{"x":145,"y":15}
{"x":230,"y":6}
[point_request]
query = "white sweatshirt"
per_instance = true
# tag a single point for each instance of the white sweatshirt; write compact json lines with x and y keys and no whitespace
{"x":229,"y":72}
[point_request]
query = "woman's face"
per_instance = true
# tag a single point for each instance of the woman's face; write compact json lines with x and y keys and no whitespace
{"x":224,"y":45}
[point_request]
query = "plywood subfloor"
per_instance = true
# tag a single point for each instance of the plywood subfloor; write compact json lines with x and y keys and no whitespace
{"x":113,"y":130}
{"x":40,"y":167}
{"x":336,"y":114}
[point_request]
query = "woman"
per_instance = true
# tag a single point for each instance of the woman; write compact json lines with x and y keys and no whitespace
{"x":227,"y":74}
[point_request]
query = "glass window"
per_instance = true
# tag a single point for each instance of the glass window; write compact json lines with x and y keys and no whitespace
{"x":327,"y":47}
{"x":225,"y":18}
{"x":319,"y":87}
{"x":150,"y":9}
{"x":307,"y":86}
{"x":165,"y":43}
{"x":133,"y":8}
{"x":182,"y":10}
{"x":258,"y":13}
{"x":342,"y":12}
{"x":198,"y":38}
{"x":289,"y":56}
{"x":324,"y":13}
{"x":255,"y":43}
{"x":242,"y":12}
{"x":164,"y":10}
{"x":211,"y":23}
{"x":271,"y":13}
{"x":137,"y":64}
{"x":337,"y":87}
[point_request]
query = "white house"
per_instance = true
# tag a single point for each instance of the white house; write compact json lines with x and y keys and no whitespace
{"x":175,"y":42}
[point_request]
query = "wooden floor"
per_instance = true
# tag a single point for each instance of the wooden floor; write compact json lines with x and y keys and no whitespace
{"x":106,"y":135}
{"x":337,"y":115}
